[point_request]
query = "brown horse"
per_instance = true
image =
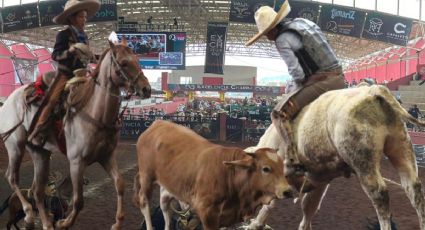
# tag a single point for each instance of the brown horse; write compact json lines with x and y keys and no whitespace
{"x":91,"y":130}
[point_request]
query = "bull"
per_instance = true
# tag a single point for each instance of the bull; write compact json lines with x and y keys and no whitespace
{"x":223,"y":185}
{"x":347,"y":132}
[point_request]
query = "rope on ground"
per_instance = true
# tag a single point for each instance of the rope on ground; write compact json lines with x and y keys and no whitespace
{"x":392,"y":182}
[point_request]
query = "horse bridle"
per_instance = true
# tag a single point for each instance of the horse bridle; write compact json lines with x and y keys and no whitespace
{"x":121,"y":73}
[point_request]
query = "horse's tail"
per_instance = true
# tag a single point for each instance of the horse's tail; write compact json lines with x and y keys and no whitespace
{"x":136,"y":189}
{"x":384,"y":93}
{"x":5,"y":204}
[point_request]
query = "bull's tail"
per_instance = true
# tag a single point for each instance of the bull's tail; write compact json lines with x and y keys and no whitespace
{"x":136,"y":189}
{"x":5,"y":204}
{"x":385,"y":94}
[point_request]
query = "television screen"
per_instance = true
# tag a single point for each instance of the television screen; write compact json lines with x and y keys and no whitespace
{"x":158,"y":50}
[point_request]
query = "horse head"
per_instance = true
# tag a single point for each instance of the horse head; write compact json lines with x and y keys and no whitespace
{"x":127,"y":72}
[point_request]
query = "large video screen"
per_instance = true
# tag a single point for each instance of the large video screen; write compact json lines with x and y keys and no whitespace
{"x":158,"y":50}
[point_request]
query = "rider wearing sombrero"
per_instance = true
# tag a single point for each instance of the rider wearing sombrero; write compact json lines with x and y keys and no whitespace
{"x":71,"y":52}
{"x":311,"y":63}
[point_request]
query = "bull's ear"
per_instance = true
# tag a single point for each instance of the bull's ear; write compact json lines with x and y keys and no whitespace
{"x":245,"y":164}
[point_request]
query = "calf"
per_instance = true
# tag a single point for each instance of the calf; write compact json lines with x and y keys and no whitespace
{"x":223,"y":185}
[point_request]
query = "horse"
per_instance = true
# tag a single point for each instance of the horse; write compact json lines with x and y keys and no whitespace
{"x":91,"y":132}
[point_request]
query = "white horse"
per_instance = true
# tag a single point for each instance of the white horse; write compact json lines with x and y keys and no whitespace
{"x":91,"y":132}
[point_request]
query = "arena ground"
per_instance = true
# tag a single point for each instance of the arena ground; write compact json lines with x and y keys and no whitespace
{"x":345,"y":206}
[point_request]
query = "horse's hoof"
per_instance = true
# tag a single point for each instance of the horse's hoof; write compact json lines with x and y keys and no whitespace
{"x":61,"y":224}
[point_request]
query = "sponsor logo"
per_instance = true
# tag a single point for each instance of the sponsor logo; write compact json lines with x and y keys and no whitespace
{"x":375,"y":25}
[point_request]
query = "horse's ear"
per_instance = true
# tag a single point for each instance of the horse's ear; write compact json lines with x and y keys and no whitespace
{"x":111,"y":44}
{"x":124,"y":41}
{"x":113,"y":39}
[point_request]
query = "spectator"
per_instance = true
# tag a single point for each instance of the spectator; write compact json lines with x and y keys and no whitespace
{"x":398,"y":97}
{"x":414,"y":111}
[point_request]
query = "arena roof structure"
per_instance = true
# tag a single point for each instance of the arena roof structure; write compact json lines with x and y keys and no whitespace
{"x":192,"y":16}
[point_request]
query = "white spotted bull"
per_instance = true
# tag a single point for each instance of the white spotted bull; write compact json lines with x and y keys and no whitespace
{"x":348,"y":131}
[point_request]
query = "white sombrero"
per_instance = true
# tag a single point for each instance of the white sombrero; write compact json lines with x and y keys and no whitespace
{"x":266,"y":19}
{"x":73,"y":6}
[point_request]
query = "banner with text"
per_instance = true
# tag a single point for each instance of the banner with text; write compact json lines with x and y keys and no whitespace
{"x":216,"y":47}
{"x":107,"y":12}
{"x":342,"y":20}
{"x":48,"y":10}
{"x":20,"y":17}
{"x":386,"y":28}
{"x":307,"y":10}
{"x":227,"y":88}
{"x":244,"y":10}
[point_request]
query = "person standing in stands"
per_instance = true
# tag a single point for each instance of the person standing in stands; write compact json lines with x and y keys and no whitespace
{"x":311,"y":62}
{"x":71,"y":51}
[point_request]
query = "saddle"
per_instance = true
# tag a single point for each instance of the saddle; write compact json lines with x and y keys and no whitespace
{"x":35,"y":92}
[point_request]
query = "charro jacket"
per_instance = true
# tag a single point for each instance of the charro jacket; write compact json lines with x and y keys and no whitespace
{"x":68,"y":62}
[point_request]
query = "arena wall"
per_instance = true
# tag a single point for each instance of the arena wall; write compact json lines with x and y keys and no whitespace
{"x":233,"y":75}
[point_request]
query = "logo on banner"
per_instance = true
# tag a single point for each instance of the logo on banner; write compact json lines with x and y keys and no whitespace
{"x":343,"y":14}
{"x":11,"y":17}
{"x":216,"y":45}
{"x":308,"y":14}
{"x":375,"y":25}
{"x":400,"y":28}
{"x":332,"y":26}
{"x":241,"y":9}
{"x":28,"y":18}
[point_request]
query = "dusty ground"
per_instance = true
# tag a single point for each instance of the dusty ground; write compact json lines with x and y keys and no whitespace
{"x":345,"y":206}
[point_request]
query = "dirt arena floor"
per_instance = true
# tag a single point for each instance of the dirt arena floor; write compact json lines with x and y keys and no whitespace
{"x":345,"y":206}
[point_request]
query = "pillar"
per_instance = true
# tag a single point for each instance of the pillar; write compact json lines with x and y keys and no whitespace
{"x":191,"y":95}
{"x":222,"y":97}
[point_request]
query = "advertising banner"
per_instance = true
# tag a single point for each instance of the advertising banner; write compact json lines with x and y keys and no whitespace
{"x":48,"y":10}
{"x":25,"y":70}
{"x":227,"y":88}
{"x":244,"y":10}
{"x":387,"y":28}
{"x":19,"y":17}
{"x":216,"y":47}
{"x":342,"y":20}
{"x":107,"y":12}
{"x":307,"y":10}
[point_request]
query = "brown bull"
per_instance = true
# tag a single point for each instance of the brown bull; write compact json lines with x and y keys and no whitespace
{"x":223,"y":185}
{"x":348,"y":131}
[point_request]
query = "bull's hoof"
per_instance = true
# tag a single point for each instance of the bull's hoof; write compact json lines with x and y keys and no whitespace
{"x":254,"y":225}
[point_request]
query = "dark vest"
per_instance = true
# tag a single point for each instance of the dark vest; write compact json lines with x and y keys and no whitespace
{"x":316,"y":53}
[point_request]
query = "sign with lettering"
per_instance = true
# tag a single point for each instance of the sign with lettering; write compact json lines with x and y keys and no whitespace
{"x":132,"y":128}
{"x":386,"y":28}
{"x":342,"y":20}
{"x":227,"y":88}
{"x":244,"y":10}
{"x":20,"y":17}
{"x":216,"y":47}
{"x":50,"y":9}
{"x":107,"y":12}
{"x":307,"y":10}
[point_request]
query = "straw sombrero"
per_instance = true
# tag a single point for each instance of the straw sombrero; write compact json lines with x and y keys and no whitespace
{"x":266,"y":19}
{"x":73,"y":6}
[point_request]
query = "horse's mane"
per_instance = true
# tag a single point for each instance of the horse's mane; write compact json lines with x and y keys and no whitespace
{"x":97,"y":70}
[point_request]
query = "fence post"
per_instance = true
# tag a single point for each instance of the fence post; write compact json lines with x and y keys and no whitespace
{"x":222,"y":118}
